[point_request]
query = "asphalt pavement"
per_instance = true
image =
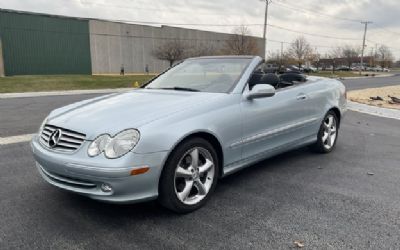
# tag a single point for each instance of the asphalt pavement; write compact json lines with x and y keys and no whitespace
{"x":372,"y":82}
{"x":24,"y":115}
{"x":348,"y":199}
{"x":343,"y":200}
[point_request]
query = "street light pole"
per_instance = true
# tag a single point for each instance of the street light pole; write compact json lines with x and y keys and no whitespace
{"x":267,"y":2}
{"x":363,"y":46}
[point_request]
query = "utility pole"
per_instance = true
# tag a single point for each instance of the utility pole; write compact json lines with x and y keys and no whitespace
{"x":281,"y":56}
{"x":363,"y":46}
{"x":267,"y":2}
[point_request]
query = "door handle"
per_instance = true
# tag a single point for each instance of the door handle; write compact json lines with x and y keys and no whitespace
{"x":301,"y":97}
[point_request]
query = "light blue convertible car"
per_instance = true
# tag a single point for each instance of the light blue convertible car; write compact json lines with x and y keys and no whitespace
{"x":176,"y":136}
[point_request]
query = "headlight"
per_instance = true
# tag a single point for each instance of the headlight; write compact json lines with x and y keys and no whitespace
{"x":98,"y":145}
{"x":114,"y":147}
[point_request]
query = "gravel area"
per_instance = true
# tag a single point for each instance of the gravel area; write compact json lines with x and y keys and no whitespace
{"x":363,"y":96}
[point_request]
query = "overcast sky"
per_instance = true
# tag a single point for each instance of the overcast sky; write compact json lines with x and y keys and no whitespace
{"x":333,"y":18}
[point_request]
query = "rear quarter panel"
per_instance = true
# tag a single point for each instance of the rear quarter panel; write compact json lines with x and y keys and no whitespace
{"x":326,"y":94}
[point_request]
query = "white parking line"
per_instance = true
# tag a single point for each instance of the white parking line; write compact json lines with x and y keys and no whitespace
{"x":15,"y":139}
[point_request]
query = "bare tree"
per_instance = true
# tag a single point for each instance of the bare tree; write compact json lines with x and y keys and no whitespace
{"x":334,"y":55}
{"x":171,"y":51}
{"x":300,"y":49}
{"x":203,"y":49}
{"x":385,"y":56}
{"x":241,"y":43}
{"x":350,"y":54}
{"x":274,"y":57}
{"x":314,"y":57}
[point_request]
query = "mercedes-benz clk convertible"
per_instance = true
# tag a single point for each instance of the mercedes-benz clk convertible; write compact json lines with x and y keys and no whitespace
{"x":175,"y":137}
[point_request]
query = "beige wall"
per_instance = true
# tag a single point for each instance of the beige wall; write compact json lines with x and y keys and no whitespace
{"x":115,"y":44}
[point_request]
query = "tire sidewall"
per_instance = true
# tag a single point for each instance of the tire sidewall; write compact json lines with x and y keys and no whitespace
{"x":167,"y":194}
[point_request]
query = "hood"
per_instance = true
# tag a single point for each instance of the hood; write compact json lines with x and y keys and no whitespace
{"x":113,"y":113}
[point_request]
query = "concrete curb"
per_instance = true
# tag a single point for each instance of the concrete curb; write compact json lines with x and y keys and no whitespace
{"x":62,"y":93}
{"x":372,"y":110}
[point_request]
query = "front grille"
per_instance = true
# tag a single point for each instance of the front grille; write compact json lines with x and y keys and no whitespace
{"x":66,"y":141}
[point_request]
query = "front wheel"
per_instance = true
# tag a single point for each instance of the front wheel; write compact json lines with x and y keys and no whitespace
{"x":327,"y":134}
{"x":189,"y":176}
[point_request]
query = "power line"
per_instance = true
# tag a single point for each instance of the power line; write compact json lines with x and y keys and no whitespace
{"x":87,"y":3}
{"x":386,"y":30}
{"x":392,"y":48}
{"x":219,"y":25}
{"x":308,"y":11}
{"x":313,"y":45}
{"x":292,"y":7}
{"x":313,"y":34}
{"x":238,"y":25}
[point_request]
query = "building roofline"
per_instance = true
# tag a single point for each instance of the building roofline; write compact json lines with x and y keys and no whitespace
{"x":108,"y":20}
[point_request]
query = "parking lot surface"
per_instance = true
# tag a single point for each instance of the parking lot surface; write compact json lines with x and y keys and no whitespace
{"x":347,"y":199}
{"x":372,"y":82}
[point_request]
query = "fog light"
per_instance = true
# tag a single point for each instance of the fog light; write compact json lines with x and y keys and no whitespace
{"x":106,"y":188}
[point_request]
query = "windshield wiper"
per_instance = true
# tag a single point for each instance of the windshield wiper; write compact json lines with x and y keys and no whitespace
{"x":182,"y":89}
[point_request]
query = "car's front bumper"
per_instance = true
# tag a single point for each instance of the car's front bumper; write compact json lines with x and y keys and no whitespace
{"x":84,"y":175}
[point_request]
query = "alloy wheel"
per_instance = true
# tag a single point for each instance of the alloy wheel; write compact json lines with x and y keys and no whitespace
{"x":329,"y":132}
{"x":194,"y":175}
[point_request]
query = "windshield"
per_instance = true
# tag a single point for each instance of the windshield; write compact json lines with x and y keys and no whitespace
{"x":217,"y":75}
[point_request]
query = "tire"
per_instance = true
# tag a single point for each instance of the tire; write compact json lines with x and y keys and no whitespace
{"x":181,"y":173}
{"x":327,"y":135}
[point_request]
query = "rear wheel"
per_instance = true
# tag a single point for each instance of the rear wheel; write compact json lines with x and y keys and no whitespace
{"x":189,"y":176}
{"x":327,"y":135}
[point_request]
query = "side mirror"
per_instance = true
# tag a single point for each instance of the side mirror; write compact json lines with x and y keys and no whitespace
{"x":260,"y":91}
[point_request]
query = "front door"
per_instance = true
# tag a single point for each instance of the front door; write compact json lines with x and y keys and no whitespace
{"x":273,"y":123}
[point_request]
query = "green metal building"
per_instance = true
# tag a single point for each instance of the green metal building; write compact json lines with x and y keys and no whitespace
{"x":35,"y":44}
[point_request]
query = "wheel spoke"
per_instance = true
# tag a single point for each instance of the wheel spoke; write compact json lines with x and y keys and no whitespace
{"x":200,"y":187}
{"x":184,"y":173}
{"x":330,"y":143}
{"x":333,"y":131}
{"x":186,"y":191}
{"x":330,"y":121}
{"x":195,"y":158}
{"x":206,"y":167}
{"x":325,"y":137}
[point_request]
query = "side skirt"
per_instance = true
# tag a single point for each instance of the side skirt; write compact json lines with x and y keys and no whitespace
{"x":238,"y":165}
